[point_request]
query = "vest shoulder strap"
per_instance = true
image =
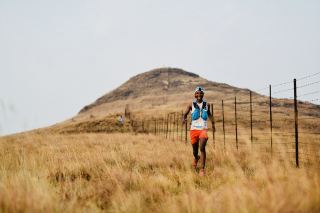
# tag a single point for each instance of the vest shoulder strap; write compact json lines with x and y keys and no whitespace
{"x":196,"y":106}
{"x":204,"y":105}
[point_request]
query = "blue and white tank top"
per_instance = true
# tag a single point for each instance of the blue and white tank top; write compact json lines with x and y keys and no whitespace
{"x":199,"y":123}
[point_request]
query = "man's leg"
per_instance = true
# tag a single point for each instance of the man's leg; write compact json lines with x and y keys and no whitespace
{"x":203,"y":143}
{"x":195,"y":148}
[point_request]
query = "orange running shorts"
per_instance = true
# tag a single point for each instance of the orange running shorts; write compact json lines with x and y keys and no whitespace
{"x":195,"y":135}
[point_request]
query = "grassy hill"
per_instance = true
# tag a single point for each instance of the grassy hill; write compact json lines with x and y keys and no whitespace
{"x":93,"y":163}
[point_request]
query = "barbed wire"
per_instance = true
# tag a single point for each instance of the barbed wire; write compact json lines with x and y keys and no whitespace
{"x":283,"y":143}
{"x":311,"y":118}
{"x":262,"y":89}
{"x":313,"y":100}
{"x":281,"y":84}
{"x":309,"y":84}
{"x":308,"y":76}
{"x":287,"y":82}
{"x":309,"y":144}
{"x":281,"y":91}
{"x":282,"y":152}
{"x":310,"y":133}
{"x":309,"y":93}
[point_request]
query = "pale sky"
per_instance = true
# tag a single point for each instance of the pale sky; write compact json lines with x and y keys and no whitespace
{"x":58,"y":56}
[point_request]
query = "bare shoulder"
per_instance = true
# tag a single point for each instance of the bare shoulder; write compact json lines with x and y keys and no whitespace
{"x":189,"y":106}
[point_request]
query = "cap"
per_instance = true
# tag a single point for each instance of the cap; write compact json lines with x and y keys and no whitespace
{"x":199,"y":89}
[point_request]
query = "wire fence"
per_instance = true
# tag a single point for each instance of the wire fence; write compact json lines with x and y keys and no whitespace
{"x":280,"y":126}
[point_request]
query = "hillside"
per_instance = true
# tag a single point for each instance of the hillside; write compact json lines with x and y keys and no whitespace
{"x":154,"y":94}
{"x":165,"y":87}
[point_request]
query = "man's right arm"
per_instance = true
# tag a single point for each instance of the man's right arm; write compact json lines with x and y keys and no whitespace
{"x":185,"y":114}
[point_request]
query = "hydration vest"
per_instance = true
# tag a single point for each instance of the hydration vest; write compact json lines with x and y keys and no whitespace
{"x":197,"y":113}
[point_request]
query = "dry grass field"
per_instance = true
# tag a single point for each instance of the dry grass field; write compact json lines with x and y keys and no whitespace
{"x":92,"y":163}
{"x":144,"y":173}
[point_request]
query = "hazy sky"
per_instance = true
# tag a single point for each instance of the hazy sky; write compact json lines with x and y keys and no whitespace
{"x":57,"y":56}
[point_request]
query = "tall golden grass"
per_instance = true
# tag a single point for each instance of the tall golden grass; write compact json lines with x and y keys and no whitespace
{"x":144,"y":173}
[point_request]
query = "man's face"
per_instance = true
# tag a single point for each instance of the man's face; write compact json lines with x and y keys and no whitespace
{"x":199,"y":95}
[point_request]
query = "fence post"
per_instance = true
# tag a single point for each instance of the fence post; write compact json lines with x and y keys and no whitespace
{"x":186,"y":130}
{"x":270,"y":105}
{"x":224,"y":131}
{"x":213,"y":127}
{"x":167,"y":126}
{"x":296,"y":122}
{"x":160,"y":126}
{"x":181,"y":135}
{"x":251,"y":133}
{"x":236,"y":121}
{"x":147,"y":126}
{"x":170,"y":126}
{"x":143,"y":126}
{"x":174,"y":125}
{"x":177,"y":120}
{"x":163,"y":125}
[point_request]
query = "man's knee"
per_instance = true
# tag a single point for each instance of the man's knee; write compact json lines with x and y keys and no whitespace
{"x":203,"y":146}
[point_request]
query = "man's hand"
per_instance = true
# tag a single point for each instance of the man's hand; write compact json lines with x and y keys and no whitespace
{"x":184,"y":120}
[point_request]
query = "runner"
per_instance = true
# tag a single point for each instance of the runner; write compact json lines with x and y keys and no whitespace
{"x":200,"y":112}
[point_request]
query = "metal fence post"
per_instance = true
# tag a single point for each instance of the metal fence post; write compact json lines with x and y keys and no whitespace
{"x":167,"y":126}
{"x":186,"y":130}
{"x":181,"y":136}
{"x":223,"y":128}
{"x":177,"y":124}
{"x":270,"y":111}
{"x":164,"y":126}
{"x":251,"y":133}
{"x":296,"y":122}
{"x":236,"y":120}
{"x":213,"y":127}
{"x":143,"y":126}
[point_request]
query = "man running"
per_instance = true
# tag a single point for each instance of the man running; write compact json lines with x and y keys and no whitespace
{"x":200,"y":112}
